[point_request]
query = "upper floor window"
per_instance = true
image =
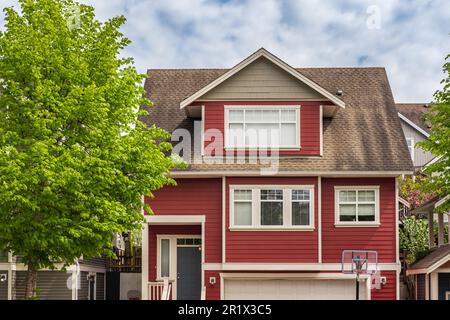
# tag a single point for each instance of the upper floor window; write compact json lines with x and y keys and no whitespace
{"x":262,"y":127}
{"x":272,"y":207}
{"x":357,"y":205}
{"x":410,"y":143}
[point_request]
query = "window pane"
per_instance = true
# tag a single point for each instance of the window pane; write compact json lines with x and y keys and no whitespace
{"x":236,"y":116}
{"x":271,"y":194}
{"x":243,"y":195}
{"x":288,"y":134}
{"x":165,"y":257}
{"x":347,"y":212}
{"x":288,"y":116}
{"x":300,"y":213}
{"x":366,"y":212}
{"x":236,"y":135}
{"x":243,"y":213}
{"x":347,"y":196}
{"x":262,"y":134}
{"x":270,"y":116}
{"x":300,"y":194}
{"x":271,"y":213}
{"x":368,"y":195}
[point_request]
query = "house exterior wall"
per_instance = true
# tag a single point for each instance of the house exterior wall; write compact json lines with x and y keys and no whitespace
{"x":271,"y":246}
{"x":443,"y":284}
{"x":51,"y":285}
{"x":262,"y":80}
{"x":381,"y":238}
{"x":420,"y":287}
{"x":310,"y":122}
{"x":421,"y":157}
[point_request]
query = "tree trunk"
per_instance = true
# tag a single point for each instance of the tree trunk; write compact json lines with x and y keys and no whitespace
{"x":30,"y":288}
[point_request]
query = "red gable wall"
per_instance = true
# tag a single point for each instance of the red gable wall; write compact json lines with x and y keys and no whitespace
{"x":309,"y":123}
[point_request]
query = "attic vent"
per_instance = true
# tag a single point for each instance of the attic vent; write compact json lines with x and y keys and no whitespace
{"x":339,"y":92}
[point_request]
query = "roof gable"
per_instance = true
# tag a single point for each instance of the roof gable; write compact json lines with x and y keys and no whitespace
{"x":262,"y":53}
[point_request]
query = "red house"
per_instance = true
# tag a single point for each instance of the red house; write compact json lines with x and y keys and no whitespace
{"x":287,"y":168}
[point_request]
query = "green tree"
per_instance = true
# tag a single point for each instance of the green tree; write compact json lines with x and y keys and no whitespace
{"x":74,"y":159}
{"x":413,"y":234}
{"x":438,"y":143}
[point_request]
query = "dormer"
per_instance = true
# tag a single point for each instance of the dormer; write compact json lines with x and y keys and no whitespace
{"x":262,"y":102}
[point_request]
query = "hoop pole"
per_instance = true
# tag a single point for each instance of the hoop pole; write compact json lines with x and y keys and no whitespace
{"x":357,"y":286}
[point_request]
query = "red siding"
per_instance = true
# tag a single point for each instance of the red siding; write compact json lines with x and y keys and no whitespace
{"x":195,"y":197}
{"x":309,"y":125}
{"x":381,"y":239}
{"x":155,"y":230}
{"x":388,"y":291}
{"x":272,"y":246}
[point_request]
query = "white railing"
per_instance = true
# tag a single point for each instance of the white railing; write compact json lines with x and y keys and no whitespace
{"x":161,"y":290}
{"x":203,"y":294}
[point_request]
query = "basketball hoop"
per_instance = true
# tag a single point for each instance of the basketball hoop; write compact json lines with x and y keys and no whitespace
{"x":361,"y":262}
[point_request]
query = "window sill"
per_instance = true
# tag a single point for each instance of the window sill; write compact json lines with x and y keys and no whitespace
{"x":357,"y":225}
{"x":306,"y":228}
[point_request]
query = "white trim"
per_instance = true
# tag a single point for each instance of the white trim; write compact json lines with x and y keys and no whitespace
{"x":447,"y":295}
{"x":202,"y":132}
{"x":262,"y":53}
{"x":294,"y":266}
{"x":10,"y":284}
{"x":337,"y":221}
{"x":321,"y":129}
{"x":319,"y":218}
{"x":412,"y":124}
{"x":224,"y":213}
{"x":145,"y":262}
{"x":277,"y":276}
{"x":279,"y":108}
{"x":434,"y":282}
{"x":202,"y":262}
{"x":287,"y":208}
{"x":325,"y":174}
{"x":175,"y":219}
{"x":397,"y":240}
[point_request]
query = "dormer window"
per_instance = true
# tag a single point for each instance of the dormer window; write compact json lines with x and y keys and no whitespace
{"x":252,"y":127}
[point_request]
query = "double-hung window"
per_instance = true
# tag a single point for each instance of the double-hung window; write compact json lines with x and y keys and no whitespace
{"x":357,"y":205}
{"x":272,"y":207}
{"x":262,"y":127}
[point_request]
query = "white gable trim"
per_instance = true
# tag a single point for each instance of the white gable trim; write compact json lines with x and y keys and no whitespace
{"x":262,"y":53}
{"x":412,"y":124}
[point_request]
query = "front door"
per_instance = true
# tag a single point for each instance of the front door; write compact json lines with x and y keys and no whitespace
{"x":188,"y":273}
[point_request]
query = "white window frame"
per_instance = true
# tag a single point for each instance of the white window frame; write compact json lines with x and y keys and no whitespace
{"x":227,"y":109}
{"x":287,"y":208}
{"x":339,"y":223}
{"x":412,"y":149}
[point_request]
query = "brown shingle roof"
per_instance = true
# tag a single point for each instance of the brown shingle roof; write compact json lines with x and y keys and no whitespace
{"x":365,"y":136}
{"x":414,"y":112}
{"x":435,"y":256}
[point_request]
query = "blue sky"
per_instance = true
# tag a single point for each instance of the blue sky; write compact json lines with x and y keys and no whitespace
{"x":410,"y":38}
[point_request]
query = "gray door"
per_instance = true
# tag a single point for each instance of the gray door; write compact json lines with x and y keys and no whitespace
{"x":188,"y":273}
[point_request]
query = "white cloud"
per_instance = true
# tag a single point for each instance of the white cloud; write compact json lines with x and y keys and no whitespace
{"x":411,"y":43}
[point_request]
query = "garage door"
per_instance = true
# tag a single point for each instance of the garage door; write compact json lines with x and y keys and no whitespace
{"x":292,"y":289}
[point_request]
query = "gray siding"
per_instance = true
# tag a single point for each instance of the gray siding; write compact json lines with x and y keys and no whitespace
{"x":100,"y":288}
{"x":51,"y":285}
{"x":4,"y":287}
{"x":83,"y":292}
{"x":421,"y":157}
{"x":262,"y":80}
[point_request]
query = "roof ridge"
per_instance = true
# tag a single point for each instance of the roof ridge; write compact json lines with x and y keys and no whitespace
{"x":209,"y":69}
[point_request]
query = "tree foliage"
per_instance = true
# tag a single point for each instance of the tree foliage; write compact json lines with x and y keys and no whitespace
{"x":413,"y":234}
{"x":438,"y":143}
{"x":74,"y":159}
{"x":414,"y":190}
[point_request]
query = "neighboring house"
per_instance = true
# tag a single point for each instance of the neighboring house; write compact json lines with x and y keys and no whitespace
{"x":416,"y":130}
{"x":54,"y":285}
{"x":231,"y":228}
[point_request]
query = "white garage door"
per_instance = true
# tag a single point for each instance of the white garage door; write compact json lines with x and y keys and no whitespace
{"x":292,"y":289}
